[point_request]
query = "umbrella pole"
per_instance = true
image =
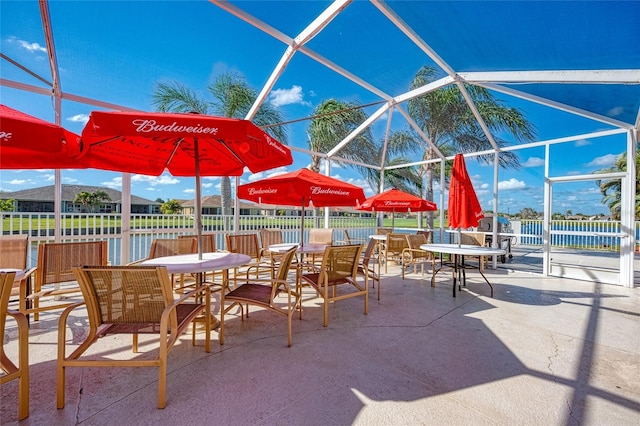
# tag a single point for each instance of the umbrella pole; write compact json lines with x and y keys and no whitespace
{"x":198,"y":201}
{"x":302,"y":225}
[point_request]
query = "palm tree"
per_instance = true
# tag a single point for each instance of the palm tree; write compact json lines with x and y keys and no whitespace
{"x":405,"y":179}
{"x":232,"y":98}
{"x":447,"y":120}
{"x":91,"y":199}
{"x":611,"y":189}
{"x":333,"y":120}
{"x":171,"y":207}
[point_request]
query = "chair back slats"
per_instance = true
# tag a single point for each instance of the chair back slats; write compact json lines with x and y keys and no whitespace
{"x":472,"y":238}
{"x":341,"y":262}
{"x":321,"y":236}
{"x":427,"y":234}
{"x":208,"y":242}
{"x":414,"y":242}
{"x":383,"y":231}
{"x":56,"y":260}
{"x":127,"y":294}
{"x":396,"y":243}
{"x":161,"y":247}
{"x":13,"y":251}
{"x":270,"y":236}
{"x":244,"y":244}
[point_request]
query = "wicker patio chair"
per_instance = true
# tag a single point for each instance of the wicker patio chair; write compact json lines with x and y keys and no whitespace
{"x":247,"y":244}
{"x":413,"y":255}
{"x":383,"y":231}
{"x":320,"y":236}
{"x":208,"y":246}
{"x":270,"y":236}
{"x":53,"y":276}
{"x":161,"y":247}
{"x":393,"y":247}
{"x":208,"y":242}
{"x":339,"y":268}
{"x":10,"y":370}
{"x":274,"y":294}
{"x":474,"y":239}
{"x":131,"y":300}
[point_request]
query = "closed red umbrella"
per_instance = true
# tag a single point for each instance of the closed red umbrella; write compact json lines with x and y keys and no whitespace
{"x":301,"y":188}
{"x":464,"y":208}
{"x":395,"y":200}
{"x":184,"y":144}
{"x":27,"y":142}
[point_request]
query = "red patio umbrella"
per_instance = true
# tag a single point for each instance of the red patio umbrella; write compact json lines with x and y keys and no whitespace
{"x":301,"y":188}
{"x":395,"y":200}
{"x":27,"y":142}
{"x":184,"y":144}
{"x":464,"y":208}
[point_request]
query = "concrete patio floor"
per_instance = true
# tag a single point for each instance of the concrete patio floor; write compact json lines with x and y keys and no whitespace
{"x":540,"y":352}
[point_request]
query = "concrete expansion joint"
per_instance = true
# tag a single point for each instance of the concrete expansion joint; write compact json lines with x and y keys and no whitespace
{"x":455,"y":308}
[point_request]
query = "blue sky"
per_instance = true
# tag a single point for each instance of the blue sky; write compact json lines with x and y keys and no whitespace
{"x":117,"y":51}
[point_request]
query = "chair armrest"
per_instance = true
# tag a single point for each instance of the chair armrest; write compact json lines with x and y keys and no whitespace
{"x":267,"y":281}
{"x":62,"y":331}
{"x":164,"y":319}
{"x":261,"y":266}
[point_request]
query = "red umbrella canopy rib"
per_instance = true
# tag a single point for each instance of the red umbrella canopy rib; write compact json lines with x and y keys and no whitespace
{"x":148,"y":143}
{"x":27,"y":142}
{"x":395,"y":200}
{"x":301,"y":187}
{"x":464,"y":208}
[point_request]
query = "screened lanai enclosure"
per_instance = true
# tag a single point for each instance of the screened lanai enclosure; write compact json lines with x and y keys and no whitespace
{"x":569,"y":70}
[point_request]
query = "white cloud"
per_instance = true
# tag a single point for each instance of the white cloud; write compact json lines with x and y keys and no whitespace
{"x":79,"y":118}
{"x":512,"y":183}
{"x":582,"y":142}
{"x":603,"y":161}
{"x":156,"y":180}
{"x":115,"y":183}
{"x":266,"y":174}
{"x":31,"y":47}
{"x":189,"y":191}
{"x":17,"y":182}
{"x":69,"y":180}
{"x":533,"y":162}
{"x":280,"y":97}
{"x":615,"y":111}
